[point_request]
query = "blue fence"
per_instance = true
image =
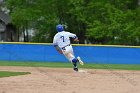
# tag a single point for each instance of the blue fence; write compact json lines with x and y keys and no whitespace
{"x":89,"y":54}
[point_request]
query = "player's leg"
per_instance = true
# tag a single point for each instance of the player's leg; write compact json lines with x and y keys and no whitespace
{"x":80,"y":61}
{"x":78,"y":58}
{"x":68,"y":52}
{"x":73,"y":60}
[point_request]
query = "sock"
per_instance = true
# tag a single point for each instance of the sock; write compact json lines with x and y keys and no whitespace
{"x":74,"y":61}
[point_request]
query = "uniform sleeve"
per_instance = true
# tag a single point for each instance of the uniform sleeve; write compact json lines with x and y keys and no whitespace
{"x":72,"y":35}
{"x":55,"y":41}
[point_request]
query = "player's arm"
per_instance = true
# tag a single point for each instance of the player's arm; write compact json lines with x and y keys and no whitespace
{"x":58,"y":49}
{"x":56,"y":46}
{"x":75,"y":38}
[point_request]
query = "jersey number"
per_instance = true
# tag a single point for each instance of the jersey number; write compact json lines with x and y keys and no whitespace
{"x":62,"y":38}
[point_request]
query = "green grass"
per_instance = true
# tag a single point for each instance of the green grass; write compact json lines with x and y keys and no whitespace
{"x":69,"y":65}
{"x":8,"y":74}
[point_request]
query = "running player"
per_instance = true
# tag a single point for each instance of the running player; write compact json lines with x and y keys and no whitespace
{"x":62,"y":44}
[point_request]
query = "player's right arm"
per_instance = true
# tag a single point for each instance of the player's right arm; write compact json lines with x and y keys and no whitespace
{"x":56,"y":46}
{"x":58,"y":49}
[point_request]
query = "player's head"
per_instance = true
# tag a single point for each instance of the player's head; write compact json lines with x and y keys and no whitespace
{"x":59,"y":28}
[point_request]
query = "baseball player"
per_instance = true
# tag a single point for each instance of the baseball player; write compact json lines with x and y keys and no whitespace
{"x":62,"y":44}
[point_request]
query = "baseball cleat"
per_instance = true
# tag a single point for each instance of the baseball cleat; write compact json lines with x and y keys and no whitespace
{"x":75,"y":69}
{"x":80,"y":61}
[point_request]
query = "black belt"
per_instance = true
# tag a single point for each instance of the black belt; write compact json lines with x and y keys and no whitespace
{"x":65,"y":46}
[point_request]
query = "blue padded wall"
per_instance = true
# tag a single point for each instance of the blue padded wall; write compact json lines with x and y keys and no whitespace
{"x":89,"y":54}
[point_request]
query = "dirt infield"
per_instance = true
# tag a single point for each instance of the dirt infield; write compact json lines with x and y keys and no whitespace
{"x":64,"y":80}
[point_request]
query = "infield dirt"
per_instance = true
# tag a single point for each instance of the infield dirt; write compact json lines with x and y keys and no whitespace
{"x":65,"y":80}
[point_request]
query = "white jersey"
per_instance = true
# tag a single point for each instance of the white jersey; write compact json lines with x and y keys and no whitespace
{"x":62,"y":39}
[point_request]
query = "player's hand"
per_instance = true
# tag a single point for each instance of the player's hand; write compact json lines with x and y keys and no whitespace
{"x":76,"y":40}
{"x":60,"y":51}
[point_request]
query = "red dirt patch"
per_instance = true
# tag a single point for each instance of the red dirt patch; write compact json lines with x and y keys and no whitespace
{"x":64,"y":80}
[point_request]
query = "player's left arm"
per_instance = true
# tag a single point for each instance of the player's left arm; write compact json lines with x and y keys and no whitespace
{"x":75,"y":38}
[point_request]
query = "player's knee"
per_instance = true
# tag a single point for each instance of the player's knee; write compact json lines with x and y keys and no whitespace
{"x":74,"y":60}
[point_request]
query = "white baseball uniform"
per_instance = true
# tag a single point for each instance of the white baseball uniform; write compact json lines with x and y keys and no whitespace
{"x":62,"y":39}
